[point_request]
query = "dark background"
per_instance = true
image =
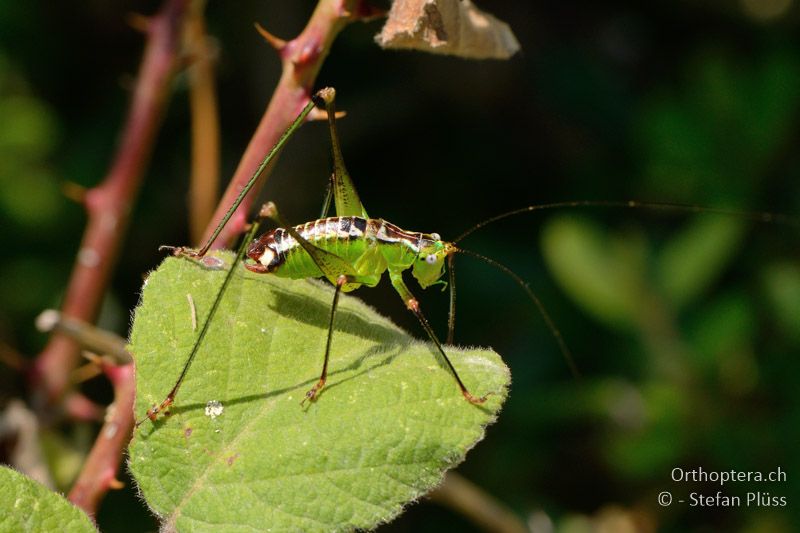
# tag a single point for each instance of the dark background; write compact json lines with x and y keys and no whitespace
{"x":686,"y":327}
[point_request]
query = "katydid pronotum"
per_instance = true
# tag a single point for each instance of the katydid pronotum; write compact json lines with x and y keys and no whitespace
{"x":352,"y":249}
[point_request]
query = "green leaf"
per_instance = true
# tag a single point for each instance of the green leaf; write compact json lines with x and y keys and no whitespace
{"x":29,"y":506}
{"x":696,"y":257}
{"x":238,"y":451}
{"x":601,"y":274}
{"x":782,"y":285}
{"x":656,"y":442}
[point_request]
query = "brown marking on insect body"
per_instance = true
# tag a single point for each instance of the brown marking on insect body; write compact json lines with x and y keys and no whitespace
{"x":256,"y":248}
{"x":389,"y":233}
{"x":230,"y":460}
{"x":187,"y":432}
{"x":360,"y":224}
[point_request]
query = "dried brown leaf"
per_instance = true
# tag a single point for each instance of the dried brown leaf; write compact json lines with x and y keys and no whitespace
{"x":454,"y":27}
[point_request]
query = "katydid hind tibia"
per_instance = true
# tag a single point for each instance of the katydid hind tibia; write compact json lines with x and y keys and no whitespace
{"x":351,"y":249}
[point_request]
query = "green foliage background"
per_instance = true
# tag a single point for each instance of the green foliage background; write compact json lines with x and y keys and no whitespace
{"x":686,"y":328}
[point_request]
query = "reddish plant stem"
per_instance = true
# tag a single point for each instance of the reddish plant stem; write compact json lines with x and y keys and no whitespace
{"x":204,"y":182}
{"x":99,"y":472}
{"x":301,"y":58}
{"x":109,"y":204}
{"x":474,"y":503}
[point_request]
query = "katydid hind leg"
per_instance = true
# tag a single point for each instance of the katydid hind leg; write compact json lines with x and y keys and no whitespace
{"x":344,"y":192}
{"x":155,"y":410}
{"x":317,"y":99}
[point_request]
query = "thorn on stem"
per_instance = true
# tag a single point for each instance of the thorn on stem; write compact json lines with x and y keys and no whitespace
{"x":74,"y":192}
{"x":86,"y":372}
{"x":79,"y":407}
{"x":319,"y":114}
{"x":139,"y":22}
{"x":275,"y":42}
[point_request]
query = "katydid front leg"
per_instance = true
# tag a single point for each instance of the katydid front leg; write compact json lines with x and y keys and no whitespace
{"x":413,"y":305}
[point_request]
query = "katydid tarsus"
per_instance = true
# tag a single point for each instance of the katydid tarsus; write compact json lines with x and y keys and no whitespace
{"x":352,"y":249}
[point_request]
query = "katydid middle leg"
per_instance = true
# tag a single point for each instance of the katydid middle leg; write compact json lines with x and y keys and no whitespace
{"x":340,"y":273}
{"x":311,"y":395}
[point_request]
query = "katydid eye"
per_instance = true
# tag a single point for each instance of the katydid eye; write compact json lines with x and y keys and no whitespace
{"x":431,"y":259}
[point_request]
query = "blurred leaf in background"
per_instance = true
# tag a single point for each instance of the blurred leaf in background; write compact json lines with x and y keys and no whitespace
{"x":706,"y":387}
{"x":30,"y":199}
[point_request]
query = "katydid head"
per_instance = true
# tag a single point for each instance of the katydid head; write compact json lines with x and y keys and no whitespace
{"x":428,"y":268}
{"x":261,"y":254}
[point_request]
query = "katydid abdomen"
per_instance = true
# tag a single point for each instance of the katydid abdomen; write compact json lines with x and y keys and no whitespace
{"x":371,"y":245}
